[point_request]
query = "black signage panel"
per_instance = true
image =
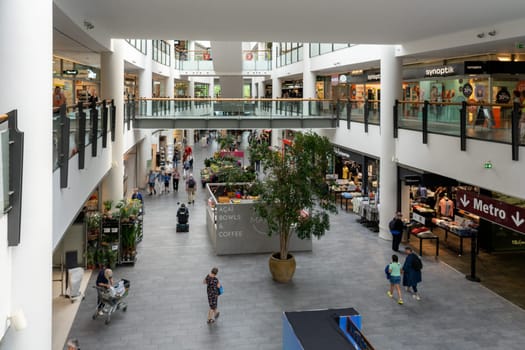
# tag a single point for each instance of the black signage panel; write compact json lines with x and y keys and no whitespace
{"x":70,"y":72}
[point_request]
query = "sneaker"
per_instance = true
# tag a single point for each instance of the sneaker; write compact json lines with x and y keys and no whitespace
{"x":400,"y":301}
{"x":390,"y":295}
{"x":100,"y":313}
{"x":414,"y":296}
{"x":418,"y":297}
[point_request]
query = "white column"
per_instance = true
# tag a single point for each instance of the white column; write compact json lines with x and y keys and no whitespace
{"x":212,"y":87}
{"x":254,"y":88}
{"x":308,"y":78}
{"x":146,"y":75}
{"x":390,"y":91}
{"x":276,"y":87}
{"x":170,"y":85}
{"x":146,"y":78}
{"x":191,"y":88}
{"x":112,"y":86}
{"x":25,"y":269}
{"x":276,"y":138}
{"x":190,"y":138}
{"x":143,"y":155}
{"x":262,"y":91}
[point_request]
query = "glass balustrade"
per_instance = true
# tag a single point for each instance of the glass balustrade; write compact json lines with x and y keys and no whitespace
{"x":91,"y":133}
{"x":4,"y":151}
{"x":191,"y":108}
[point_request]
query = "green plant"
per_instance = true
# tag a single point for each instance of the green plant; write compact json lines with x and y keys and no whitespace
{"x":207,"y":162}
{"x":93,"y":222}
{"x":110,"y":257}
{"x":108,"y":204}
{"x":294,"y":197}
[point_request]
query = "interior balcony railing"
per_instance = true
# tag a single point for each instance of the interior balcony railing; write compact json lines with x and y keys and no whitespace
{"x":193,"y":60}
{"x":12,"y":153}
{"x":232,"y":113}
{"x":77,"y":127}
{"x":488,"y":122}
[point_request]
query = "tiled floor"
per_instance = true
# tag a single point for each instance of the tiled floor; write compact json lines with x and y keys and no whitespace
{"x":168,"y":306}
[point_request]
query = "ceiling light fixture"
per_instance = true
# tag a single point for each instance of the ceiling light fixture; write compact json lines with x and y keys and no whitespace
{"x":492,"y":32}
{"x":481,"y":35}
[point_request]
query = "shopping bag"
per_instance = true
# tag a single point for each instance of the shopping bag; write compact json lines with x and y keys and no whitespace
{"x":221,"y":290}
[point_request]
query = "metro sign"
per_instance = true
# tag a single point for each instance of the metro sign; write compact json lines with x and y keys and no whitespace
{"x":501,"y":213}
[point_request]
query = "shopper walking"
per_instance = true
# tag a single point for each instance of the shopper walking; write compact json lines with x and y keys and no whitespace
{"x":58,"y":97}
{"x":412,"y":272}
{"x":190,"y":188}
{"x":152,"y":178}
{"x":394,"y":268}
{"x":396,"y":229}
{"x":212,"y":290}
{"x":167,"y":180}
{"x":176,"y":178}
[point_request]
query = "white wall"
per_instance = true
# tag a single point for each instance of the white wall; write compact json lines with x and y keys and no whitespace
{"x":442,"y":156}
{"x":355,"y":139}
{"x":134,"y":56}
{"x":5,"y":275}
{"x":69,"y":201}
{"x":354,"y":57}
{"x":26,"y":29}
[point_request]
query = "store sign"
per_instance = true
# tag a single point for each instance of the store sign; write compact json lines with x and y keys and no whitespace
{"x":475,"y":67}
{"x":342,"y":79}
{"x":442,"y":71}
{"x":499,"y":212}
{"x":70,"y":72}
{"x":373,"y":77}
{"x":418,"y":218}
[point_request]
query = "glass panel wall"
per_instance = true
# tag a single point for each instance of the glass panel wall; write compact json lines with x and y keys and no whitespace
{"x":317,"y":49}
{"x":139,"y":44}
{"x":288,"y":53}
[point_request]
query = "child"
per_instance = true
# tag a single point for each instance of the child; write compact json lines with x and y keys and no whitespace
{"x":395,"y":278}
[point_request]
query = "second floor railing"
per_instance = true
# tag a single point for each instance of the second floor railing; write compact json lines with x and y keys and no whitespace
{"x":481,"y":121}
{"x":75,"y":128}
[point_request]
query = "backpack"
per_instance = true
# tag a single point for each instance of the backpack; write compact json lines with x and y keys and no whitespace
{"x":391,"y":224}
{"x":191,"y":183}
{"x":387,"y":271}
{"x":417,"y":264}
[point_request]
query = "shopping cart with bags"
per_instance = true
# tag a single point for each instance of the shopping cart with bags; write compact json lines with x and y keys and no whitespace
{"x":111,"y":299}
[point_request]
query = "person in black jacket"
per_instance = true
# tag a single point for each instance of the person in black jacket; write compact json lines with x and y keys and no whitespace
{"x":396,"y":229}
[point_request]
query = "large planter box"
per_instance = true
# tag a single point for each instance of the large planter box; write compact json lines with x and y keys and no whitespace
{"x":235,"y":228}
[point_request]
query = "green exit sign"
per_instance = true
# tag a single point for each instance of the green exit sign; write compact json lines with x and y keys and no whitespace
{"x":487,"y":165}
{"x":520,"y":45}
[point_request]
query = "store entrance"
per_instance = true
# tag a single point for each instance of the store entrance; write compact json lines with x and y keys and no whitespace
{"x":430,"y":202}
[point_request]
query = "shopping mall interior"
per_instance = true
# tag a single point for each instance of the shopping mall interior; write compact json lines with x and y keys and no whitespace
{"x":187,"y":105}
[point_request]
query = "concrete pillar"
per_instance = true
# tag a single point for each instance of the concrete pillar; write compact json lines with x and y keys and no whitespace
{"x":170,"y":86}
{"x":143,"y":156}
{"x":190,"y":137}
{"x":191,"y":88}
{"x":262,"y":91}
{"x":276,"y":138}
{"x":212,"y":87}
{"x":255,"y":89}
{"x":276,"y":87}
{"x":146,"y":80}
{"x":25,"y":269}
{"x":391,"y":67}
{"x":308,"y":78}
{"x":112,"y":86}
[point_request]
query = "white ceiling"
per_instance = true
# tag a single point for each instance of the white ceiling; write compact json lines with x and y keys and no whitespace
{"x":370,"y":21}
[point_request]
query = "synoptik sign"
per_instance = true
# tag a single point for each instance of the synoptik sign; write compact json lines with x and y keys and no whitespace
{"x":493,"y":210}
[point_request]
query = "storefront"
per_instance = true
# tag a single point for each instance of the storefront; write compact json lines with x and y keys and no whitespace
{"x":446,"y":207}
{"x":358,"y":168}
{"x":471,"y":81}
{"x":131,"y":85}
{"x":78,"y":81}
{"x":292,"y":89}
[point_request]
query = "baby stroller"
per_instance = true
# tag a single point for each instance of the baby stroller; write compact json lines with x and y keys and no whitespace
{"x":183,"y":216}
{"x":111,"y":300}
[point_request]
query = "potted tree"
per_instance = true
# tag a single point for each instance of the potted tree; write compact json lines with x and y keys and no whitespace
{"x":294,"y":195}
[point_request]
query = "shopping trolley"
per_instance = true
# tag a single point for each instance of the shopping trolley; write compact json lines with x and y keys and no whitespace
{"x":111,"y":299}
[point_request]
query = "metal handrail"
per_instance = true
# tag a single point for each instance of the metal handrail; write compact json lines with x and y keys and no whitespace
{"x":476,"y":103}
